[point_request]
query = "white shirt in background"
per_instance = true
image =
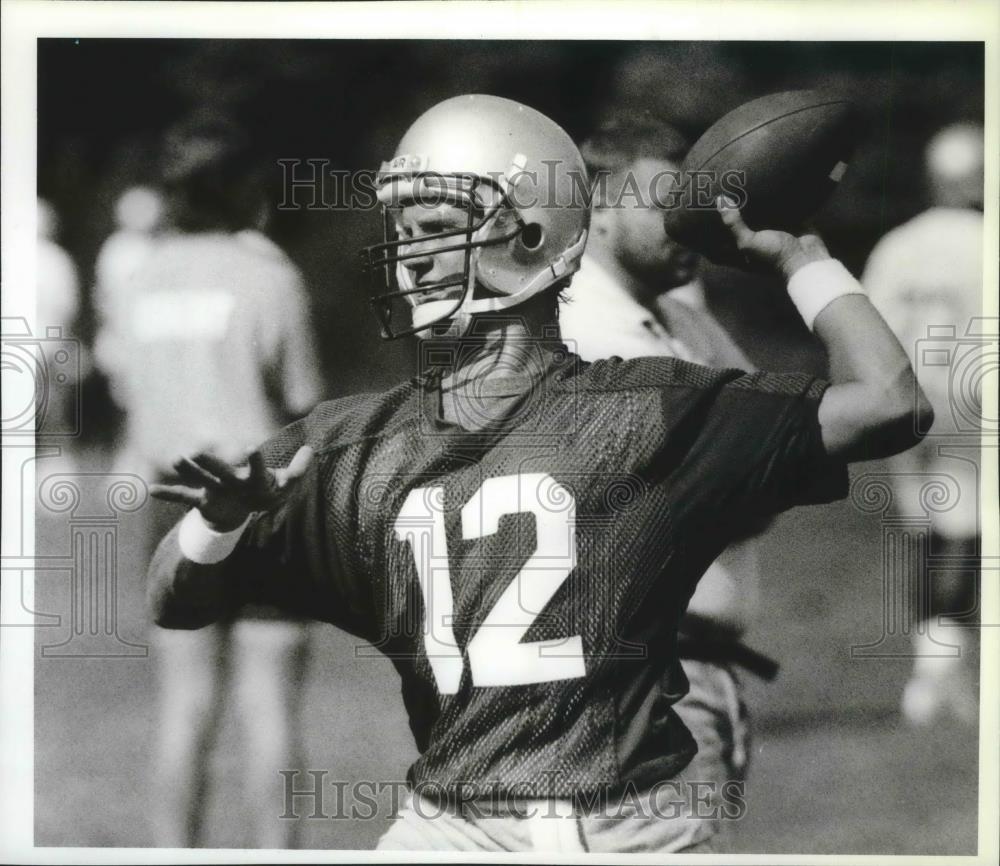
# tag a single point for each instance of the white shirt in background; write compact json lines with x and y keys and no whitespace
{"x":926,"y":279}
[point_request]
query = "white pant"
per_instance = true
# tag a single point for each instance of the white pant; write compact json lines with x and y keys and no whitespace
{"x":549,"y":825}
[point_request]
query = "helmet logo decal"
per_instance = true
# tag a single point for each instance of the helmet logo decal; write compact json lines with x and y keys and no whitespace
{"x":408,"y":162}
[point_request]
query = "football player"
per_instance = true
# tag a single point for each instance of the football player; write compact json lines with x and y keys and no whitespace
{"x":520,"y":531}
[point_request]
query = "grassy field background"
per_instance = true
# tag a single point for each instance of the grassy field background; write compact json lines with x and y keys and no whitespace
{"x":833,"y":769}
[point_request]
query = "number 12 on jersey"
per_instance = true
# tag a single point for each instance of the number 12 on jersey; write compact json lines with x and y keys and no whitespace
{"x":497,"y":657}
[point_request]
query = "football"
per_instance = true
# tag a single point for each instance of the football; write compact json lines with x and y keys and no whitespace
{"x":780,"y":156}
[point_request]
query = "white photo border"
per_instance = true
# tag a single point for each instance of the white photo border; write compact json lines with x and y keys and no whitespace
{"x":25,"y":21}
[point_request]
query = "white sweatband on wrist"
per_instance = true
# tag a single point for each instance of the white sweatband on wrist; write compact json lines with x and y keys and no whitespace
{"x":204,"y":545}
{"x":812,"y":287}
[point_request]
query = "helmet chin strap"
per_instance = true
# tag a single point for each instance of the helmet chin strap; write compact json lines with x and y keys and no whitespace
{"x":568,"y":263}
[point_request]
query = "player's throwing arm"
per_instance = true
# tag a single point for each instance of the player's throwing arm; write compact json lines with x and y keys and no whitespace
{"x":877,"y":407}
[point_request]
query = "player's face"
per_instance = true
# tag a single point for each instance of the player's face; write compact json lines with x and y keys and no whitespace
{"x":431,"y":264}
{"x":641,"y":244}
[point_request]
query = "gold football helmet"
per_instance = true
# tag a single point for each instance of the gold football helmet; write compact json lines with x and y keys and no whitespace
{"x":523,"y":185}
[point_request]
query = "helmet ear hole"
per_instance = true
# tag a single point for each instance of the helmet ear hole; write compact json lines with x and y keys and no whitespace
{"x":532,"y":236}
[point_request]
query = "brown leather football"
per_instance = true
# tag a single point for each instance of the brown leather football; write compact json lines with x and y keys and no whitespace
{"x":780,"y":157}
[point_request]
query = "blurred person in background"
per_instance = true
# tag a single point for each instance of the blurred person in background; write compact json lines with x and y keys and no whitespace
{"x":138,"y":214}
{"x":216,"y":354}
{"x":637,"y":294}
{"x":927,"y":274}
{"x":57,"y":301}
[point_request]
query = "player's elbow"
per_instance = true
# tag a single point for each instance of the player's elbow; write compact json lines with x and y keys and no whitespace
{"x":167,"y":611}
{"x":165,"y":616}
{"x":179,"y":594}
{"x":923,"y":416}
{"x":161,"y":603}
{"x":904,"y":415}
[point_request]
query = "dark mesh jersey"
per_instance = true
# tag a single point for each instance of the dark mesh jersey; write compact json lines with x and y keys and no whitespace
{"x":527,"y":582}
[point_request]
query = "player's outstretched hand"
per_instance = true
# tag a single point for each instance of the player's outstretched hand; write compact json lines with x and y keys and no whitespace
{"x":770,"y":249}
{"x":226,"y":495}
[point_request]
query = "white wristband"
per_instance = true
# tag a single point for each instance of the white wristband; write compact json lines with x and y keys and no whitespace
{"x":812,"y":287}
{"x":202,"y":544}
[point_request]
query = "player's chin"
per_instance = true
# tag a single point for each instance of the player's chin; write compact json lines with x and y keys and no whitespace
{"x":430,"y":312}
